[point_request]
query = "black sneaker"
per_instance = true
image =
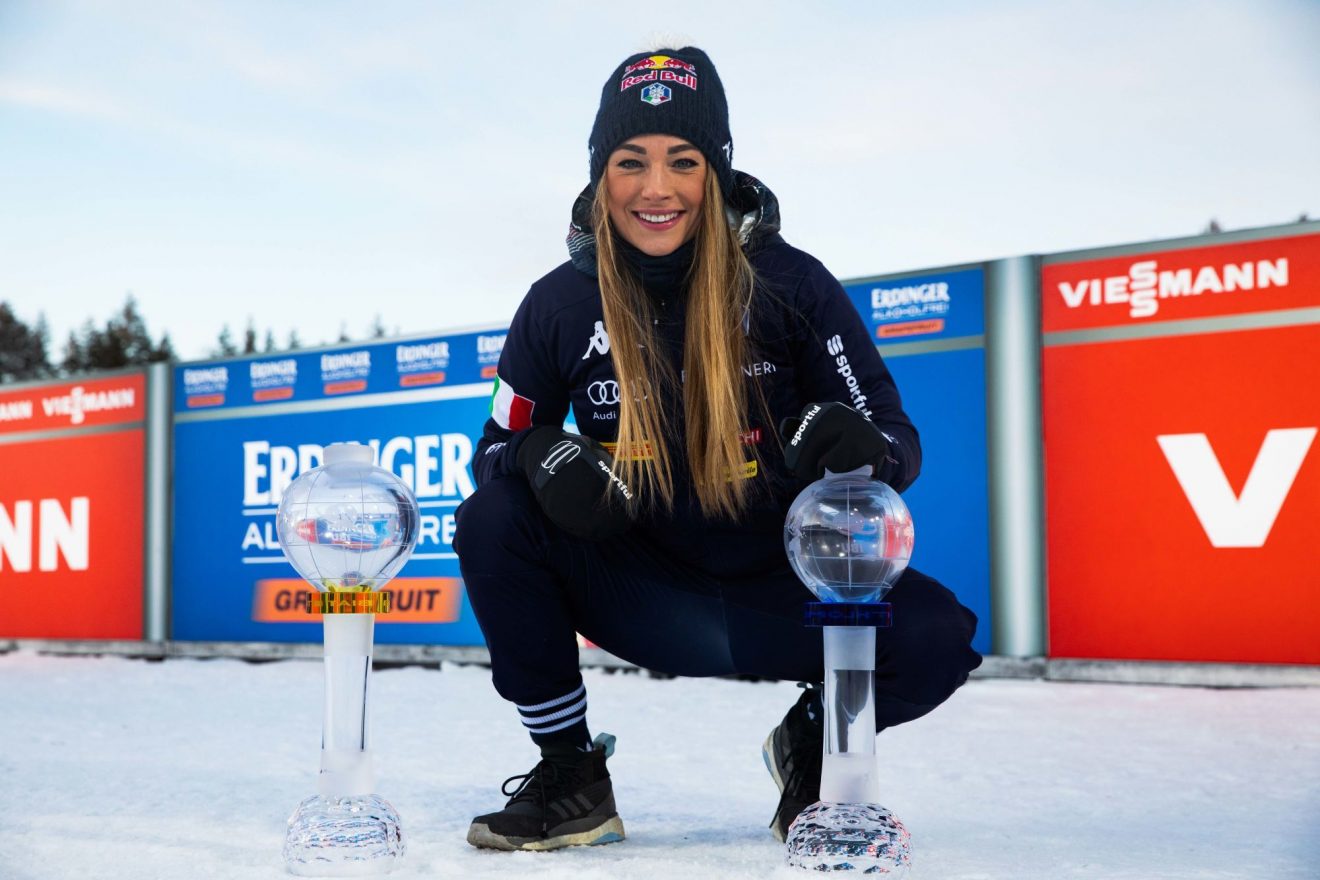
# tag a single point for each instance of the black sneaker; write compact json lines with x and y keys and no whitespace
{"x":565,"y":800}
{"x":792,"y":754}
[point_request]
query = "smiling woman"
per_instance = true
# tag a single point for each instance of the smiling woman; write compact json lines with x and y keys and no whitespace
{"x":681,"y":332}
{"x":654,"y":186}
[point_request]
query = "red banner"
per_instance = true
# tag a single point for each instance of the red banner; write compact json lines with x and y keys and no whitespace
{"x":82,"y":404}
{"x":1182,"y":496}
{"x":1203,"y":282}
{"x":71,"y":531}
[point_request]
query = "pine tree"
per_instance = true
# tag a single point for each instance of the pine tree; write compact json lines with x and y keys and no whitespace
{"x":294,"y":342}
{"x":124,"y":342}
{"x":224,"y":344}
{"x":377,"y":330}
{"x":23,"y":353}
{"x":250,"y":337}
{"x":75,"y":352}
{"x":165,"y":351}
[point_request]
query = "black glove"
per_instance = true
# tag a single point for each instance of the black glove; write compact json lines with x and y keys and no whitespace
{"x":571,"y":478}
{"x":833,"y":436}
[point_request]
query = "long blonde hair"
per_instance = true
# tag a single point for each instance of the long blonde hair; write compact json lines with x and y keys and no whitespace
{"x":715,"y":351}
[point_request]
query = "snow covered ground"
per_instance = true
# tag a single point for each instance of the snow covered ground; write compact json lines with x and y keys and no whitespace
{"x":113,"y":768}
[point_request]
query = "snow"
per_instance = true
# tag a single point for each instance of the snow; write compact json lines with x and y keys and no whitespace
{"x":115,"y":768}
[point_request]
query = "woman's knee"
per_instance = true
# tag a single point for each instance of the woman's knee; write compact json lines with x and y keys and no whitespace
{"x":501,"y":515}
{"x":927,"y":652}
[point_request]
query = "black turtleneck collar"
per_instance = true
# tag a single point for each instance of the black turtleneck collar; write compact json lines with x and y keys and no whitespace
{"x":661,"y":275}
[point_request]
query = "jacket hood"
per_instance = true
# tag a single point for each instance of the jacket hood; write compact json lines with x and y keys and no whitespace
{"x":752,"y":209}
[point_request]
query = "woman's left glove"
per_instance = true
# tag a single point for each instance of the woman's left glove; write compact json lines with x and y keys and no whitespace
{"x":831,"y":436}
{"x":572,"y":479}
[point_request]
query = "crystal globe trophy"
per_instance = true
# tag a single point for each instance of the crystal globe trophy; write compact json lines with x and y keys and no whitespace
{"x":848,"y":539}
{"x":347,"y":527}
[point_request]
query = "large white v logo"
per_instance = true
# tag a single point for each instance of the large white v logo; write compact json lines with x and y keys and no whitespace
{"x":1237,"y":520}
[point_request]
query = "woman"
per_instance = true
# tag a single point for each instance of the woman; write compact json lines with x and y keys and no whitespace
{"x":680,"y":332}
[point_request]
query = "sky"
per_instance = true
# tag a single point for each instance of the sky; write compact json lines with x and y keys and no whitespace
{"x":311,"y":166}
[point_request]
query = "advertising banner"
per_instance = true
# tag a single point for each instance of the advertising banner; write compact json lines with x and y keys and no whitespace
{"x":244,"y":430}
{"x":929,"y":330}
{"x":71,"y":509}
{"x":1182,"y":472}
{"x":340,"y":374}
{"x":1199,"y":282}
{"x":935,"y":305}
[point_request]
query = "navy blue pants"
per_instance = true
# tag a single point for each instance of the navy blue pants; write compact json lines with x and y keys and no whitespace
{"x":533,"y":587}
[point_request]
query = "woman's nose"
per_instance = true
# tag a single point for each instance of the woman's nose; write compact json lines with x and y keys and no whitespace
{"x":656,"y":185}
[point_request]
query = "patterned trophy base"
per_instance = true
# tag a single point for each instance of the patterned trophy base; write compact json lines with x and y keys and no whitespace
{"x":343,"y":837}
{"x":865,"y":838}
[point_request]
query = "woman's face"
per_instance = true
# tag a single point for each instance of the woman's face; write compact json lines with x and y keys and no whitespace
{"x":654,"y":186}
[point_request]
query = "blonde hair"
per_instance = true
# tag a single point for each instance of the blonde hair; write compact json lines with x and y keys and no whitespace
{"x":715,"y":350}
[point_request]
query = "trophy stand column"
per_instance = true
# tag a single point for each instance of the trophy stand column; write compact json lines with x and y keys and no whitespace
{"x":848,"y":771}
{"x":345,"y":829}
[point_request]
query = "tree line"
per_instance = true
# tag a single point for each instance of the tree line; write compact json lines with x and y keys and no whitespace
{"x":124,"y":341}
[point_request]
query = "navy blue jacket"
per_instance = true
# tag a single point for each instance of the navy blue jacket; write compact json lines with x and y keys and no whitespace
{"x":810,"y":346}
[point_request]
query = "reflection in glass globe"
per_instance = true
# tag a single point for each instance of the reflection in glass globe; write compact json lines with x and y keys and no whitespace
{"x":848,"y":538}
{"x":348,"y":525}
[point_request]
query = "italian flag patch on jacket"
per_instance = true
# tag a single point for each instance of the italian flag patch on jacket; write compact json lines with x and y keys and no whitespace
{"x":510,"y":410}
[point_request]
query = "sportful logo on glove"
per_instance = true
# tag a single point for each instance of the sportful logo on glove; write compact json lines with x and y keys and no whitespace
{"x":835,"y":347}
{"x":599,"y":341}
{"x":797,"y":435}
{"x":618,"y":484}
{"x":561,"y":453}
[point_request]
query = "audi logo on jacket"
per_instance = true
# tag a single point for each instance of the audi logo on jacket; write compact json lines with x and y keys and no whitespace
{"x":809,"y":345}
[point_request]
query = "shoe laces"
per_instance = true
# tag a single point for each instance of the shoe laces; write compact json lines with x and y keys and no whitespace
{"x":538,"y":784}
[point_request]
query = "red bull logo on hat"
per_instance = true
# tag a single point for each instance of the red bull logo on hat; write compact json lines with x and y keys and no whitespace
{"x":659,"y":69}
{"x":659,"y":62}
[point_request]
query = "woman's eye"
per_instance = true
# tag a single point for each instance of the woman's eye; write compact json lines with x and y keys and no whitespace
{"x":685,"y":163}
{"x":629,"y":163}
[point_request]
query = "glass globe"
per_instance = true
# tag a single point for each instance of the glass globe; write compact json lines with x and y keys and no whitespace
{"x":348,"y":525}
{"x":848,"y":537}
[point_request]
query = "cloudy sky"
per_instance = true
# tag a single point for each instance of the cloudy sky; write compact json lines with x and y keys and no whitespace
{"x":312,"y":165}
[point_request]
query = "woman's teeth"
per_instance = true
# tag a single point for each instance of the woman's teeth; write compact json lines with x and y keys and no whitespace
{"x":657,"y":218}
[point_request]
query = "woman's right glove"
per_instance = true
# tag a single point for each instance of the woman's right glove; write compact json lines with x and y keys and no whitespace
{"x":571,"y":477}
{"x":831,"y":436}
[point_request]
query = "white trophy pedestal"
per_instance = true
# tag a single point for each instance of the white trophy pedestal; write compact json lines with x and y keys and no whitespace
{"x":345,"y":829}
{"x":846,"y":830}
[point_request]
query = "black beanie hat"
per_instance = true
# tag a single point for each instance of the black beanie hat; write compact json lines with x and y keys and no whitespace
{"x":668,"y":91}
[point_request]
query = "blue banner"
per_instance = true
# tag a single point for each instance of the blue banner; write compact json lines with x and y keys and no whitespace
{"x":943,"y":391}
{"x":340,"y":373}
{"x":942,"y":305}
{"x":944,"y":394}
{"x":234,"y":459}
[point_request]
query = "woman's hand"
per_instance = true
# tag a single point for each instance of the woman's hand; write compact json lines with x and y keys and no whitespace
{"x":831,"y":436}
{"x":572,"y":479}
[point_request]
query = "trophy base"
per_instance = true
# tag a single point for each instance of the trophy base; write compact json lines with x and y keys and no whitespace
{"x":351,"y":836}
{"x":865,"y":838}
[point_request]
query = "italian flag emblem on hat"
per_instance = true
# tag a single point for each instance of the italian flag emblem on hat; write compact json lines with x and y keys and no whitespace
{"x":510,"y":410}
